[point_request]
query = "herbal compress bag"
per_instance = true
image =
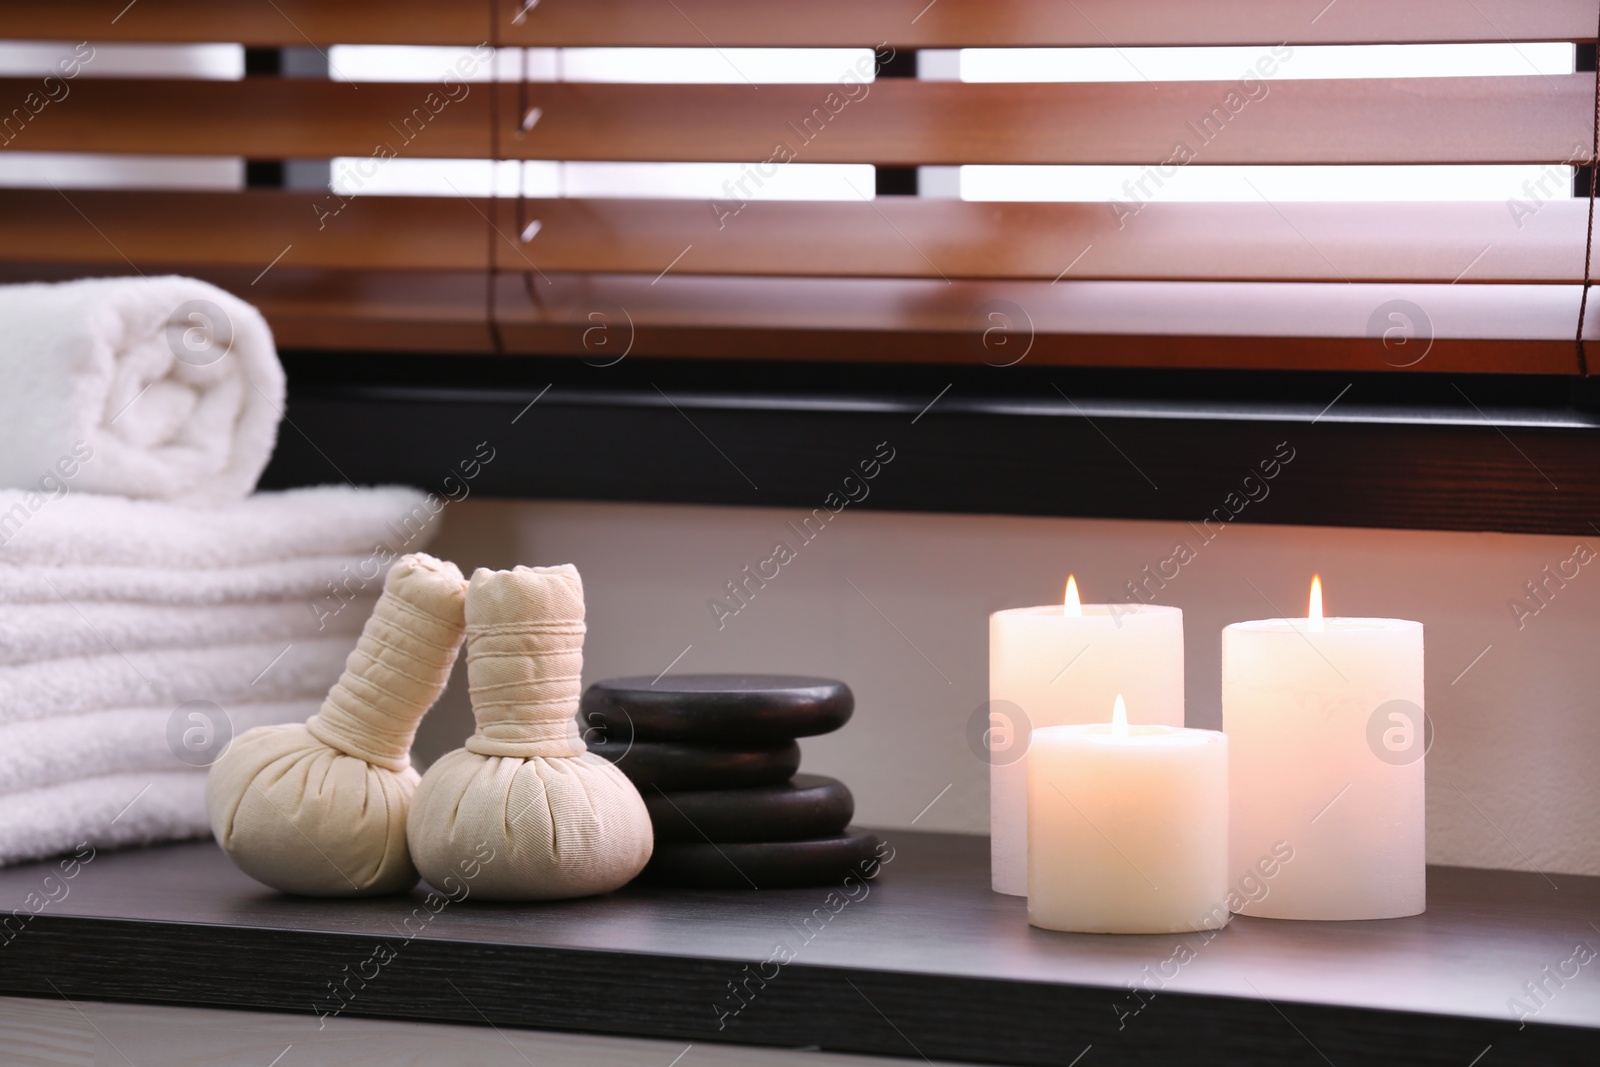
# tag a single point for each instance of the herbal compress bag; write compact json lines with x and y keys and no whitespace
{"x":320,"y":807}
{"x":562,"y":821}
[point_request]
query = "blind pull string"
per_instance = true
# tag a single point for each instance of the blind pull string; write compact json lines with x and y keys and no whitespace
{"x":492,"y":320}
{"x":1588,"y":243}
{"x":522,"y":165}
{"x":526,"y":230}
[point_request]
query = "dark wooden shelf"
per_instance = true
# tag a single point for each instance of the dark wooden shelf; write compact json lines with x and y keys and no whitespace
{"x":929,"y":963}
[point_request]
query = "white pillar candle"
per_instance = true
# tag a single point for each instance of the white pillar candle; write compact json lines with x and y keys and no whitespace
{"x":1127,"y":828}
{"x":1064,"y":664}
{"x":1326,"y":724}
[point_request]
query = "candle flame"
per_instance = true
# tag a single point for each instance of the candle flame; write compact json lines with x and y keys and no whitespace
{"x":1314,"y":615}
{"x":1119,"y":718}
{"x":1070,"y":605}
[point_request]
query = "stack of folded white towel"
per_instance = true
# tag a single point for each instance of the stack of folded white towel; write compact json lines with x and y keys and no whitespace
{"x":139,"y":631}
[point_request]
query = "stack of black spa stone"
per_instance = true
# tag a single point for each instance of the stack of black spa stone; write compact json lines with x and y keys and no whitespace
{"x":714,"y":756}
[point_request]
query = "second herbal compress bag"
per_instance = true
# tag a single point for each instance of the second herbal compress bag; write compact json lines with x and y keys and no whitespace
{"x":563,"y":821}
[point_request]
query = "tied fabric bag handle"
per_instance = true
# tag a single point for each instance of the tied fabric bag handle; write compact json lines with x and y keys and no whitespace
{"x":561,"y":821}
{"x":319,"y":808}
{"x":523,"y":672}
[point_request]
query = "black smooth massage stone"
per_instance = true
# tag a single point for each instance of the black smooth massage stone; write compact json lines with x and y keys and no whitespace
{"x":769,"y":865}
{"x":653,"y":765}
{"x":719,"y":709}
{"x":807,"y":806}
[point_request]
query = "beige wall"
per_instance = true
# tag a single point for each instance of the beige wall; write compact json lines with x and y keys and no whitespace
{"x":1511,"y":779}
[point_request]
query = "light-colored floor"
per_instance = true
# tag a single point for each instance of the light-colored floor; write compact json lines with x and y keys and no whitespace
{"x":83,"y":1033}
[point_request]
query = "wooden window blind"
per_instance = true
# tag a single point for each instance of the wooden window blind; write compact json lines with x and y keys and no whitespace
{"x":1471,"y":285}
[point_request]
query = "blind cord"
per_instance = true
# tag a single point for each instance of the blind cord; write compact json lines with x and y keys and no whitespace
{"x":522,"y":164}
{"x":1588,"y":244}
{"x":522,"y":175}
{"x":491,"y":318}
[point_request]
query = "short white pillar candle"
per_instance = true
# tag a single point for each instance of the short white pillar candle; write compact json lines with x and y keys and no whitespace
{"x":1063,"y":664}
{"x":1127,"y":828}
{"x":1325,"y":719}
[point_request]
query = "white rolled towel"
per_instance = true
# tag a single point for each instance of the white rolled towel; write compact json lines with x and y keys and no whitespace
{"x":227,"y":674}
{"x":68,"y":748}
{"x":106,"y":812}
{"x":32,"y":633}
{"x":162,"y":388}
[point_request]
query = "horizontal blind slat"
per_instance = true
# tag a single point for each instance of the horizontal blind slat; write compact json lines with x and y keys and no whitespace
{"x":256,"y":117}
{"x":286,"y":23}
{"x":819,"y":23}
{"x":892,"y":122}
{"x":1320,"y":326}
{"x":917,"y":238}
{"x":1045,"y":23}
{"x":901,"y":122}
{"x":1475,"y":242}
{"x":255,"y":228}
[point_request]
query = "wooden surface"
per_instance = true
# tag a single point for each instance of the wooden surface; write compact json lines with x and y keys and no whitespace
{"x":929,"y":962}
{"x":1477,"y":242}
{"x":894,"y":121}
{"x":730,"y":23}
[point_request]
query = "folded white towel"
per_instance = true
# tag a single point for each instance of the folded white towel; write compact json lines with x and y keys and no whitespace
{"x":70,"y":628}
{"x":68,"y":748}
{"x":226,"y":675}
{"x":105,"y":812}
{"x":82,"y":529}
{"x":163,"y":388}
{"x":322,"y":580}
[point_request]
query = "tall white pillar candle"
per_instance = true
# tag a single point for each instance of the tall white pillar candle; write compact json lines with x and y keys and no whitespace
{"x":1127,"y":828}
{"x":1065,"y":664}
{"x":1325,"y":720}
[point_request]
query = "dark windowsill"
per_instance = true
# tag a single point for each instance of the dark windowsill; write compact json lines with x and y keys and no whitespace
{"x":928,"y":962}
{"x":1502,"y":452}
